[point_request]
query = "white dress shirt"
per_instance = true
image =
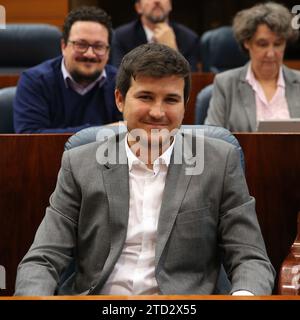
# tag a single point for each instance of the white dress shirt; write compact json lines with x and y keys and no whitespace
{"x":134,"y":272}
{"x":277,"y":107}
{"x":149,"y":34}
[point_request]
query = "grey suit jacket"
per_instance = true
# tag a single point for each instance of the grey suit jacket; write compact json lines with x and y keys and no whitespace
{"x":203,"y":218}
{"x":233,"y":105}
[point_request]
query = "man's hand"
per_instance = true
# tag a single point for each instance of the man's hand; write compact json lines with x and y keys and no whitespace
{"x":164,"y":34}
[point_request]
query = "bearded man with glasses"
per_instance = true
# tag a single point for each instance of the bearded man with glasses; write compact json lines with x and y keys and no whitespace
{"x":75,"y":90}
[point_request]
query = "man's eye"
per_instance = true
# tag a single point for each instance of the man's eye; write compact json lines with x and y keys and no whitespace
{"x":98,"y":46}
{"x":82,"y":45}
{"x":145,"y":97}
{"x":172,"y":100}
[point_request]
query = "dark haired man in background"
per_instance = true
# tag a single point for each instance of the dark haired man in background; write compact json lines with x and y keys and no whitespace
{"x":75,"y":90}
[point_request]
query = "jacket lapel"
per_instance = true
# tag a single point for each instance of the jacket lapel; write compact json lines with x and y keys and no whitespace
{"x":292,"y":91}
{"x":177,"y":182}
{"x":109,"y":104}
{"x":247,"y":98}
{"x":141,"y":37}
{"x":116,"y":182}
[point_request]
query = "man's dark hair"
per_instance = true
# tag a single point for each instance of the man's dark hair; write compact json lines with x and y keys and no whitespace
{"x":153,"y":60}
{"x":87,"y":13}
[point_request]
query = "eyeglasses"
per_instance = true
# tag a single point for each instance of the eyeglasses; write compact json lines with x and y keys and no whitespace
{"x":83,"y":46}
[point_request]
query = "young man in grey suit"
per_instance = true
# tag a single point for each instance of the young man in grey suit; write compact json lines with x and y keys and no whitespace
{"x":135,"y":214}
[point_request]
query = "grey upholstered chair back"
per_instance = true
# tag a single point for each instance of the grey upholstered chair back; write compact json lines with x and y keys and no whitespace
{"x":6,"y":109}
{"x":24,"y":45}
{"x":202,"y":104}
{"x":93,"y":134}
{"x":220,"y":50}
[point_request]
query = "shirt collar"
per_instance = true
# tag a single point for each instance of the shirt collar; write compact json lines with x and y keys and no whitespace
{"x":68,"y":79}
{"x":252,"y":80}
{"x":149,"y":33}
{"x":280,"y":81}
{"x":163,"y":159}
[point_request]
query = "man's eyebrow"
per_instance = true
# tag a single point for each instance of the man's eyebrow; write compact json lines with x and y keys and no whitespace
{"x":169,"y":95}
{"x":144,"y":92}
{"x":174,"y":95}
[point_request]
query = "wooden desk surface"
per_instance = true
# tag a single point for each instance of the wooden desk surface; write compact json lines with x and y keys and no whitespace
{"x":273,"y":176}
{"x":28,"y":170}
{"x":155,"y":297}
{"x":8,"y":80}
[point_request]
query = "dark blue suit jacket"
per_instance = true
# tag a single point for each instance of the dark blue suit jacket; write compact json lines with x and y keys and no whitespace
{"x":131,"y":35}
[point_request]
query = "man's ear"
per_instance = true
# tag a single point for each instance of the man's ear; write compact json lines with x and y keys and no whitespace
{"x":119,"y":100}
{"x":137,"y":7}
{"x":246,"y":44}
